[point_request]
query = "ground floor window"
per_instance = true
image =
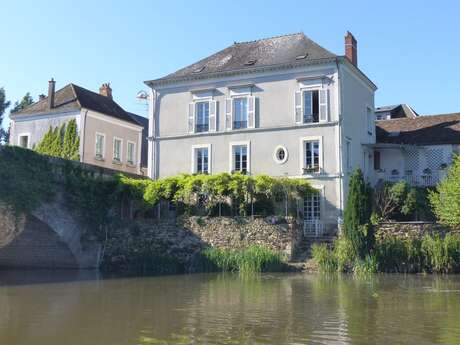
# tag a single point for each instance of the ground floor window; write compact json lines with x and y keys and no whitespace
{"x":202,"y":160}
{"x":240,"y":158}
{"x":312,"y":206}
{"x":24,"y":141}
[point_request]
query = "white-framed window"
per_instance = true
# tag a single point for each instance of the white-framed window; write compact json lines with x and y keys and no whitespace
{"x":311,"y":105}
{"x":280,"y":155}
{"x":24,"y":140}
{"x":201,"y":159}
{"x":100,"y":146}
{"x":117,"y":149}
{"x":202,"y":116}
{"x":348,"y":154}
{"x":131,"y":153}
{"x":240,"y":157}
{"x":240,"y":112}
{"x":370,"y":120}
{"x":311,"y":155}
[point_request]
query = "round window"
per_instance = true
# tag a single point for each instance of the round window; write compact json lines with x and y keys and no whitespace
{"x":280,"y":155}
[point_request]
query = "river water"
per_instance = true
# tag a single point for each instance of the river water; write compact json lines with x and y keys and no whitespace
{"x":82,"y":308}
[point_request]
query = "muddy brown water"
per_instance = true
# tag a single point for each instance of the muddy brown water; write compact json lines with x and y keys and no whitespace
{"x":67,"y":308}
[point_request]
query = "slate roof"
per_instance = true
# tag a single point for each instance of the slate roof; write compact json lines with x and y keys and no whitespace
{"x":73,"y":97}
{"x":398,"y":111}
{"x":279,"y":50}
{"x":421,"y":130}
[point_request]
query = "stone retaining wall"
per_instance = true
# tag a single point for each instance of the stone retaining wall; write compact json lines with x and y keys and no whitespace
{"x":409,"y":229}
{"x":237,"y":233}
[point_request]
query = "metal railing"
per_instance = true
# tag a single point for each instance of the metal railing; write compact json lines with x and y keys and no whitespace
{"x":313,"y":227}
{"x":414,"y":180}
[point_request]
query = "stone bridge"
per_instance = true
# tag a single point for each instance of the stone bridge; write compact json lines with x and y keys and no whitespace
{"x":50,"y":237}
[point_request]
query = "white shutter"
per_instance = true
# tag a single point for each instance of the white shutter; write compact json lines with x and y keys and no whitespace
{"x":228,"y":114}
{"x":298,"y":107}
{"x":323,"y":108}
{"x":191,"y":117}
{"x":251,"y":112}
{"x":212,"y":116}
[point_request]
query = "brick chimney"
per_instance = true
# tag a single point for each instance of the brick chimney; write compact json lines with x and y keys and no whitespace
{"x":106,"y":90}
{"x":351,"y":48}
{"x":51,"y":87}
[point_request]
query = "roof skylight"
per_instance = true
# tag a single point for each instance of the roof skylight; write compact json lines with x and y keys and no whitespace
{"x":199,"y":69}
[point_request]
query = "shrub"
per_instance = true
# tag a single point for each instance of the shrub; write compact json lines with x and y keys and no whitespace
{"x":445,"y":200}
{"x":61,"y":142}
{"x":324,"y":257}
{"x":357,"y":213}
{"x":366,"y":266}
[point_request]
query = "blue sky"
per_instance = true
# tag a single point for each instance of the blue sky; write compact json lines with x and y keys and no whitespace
{"x":409,"y":49}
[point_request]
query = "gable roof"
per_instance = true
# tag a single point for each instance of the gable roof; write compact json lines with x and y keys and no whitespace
{"x":287,"y":49}
{"x":144,"y":122}
{"x":421,"y":130}
{"x":73,"y":97}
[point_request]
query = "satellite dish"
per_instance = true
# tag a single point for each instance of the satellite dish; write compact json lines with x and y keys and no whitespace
{"x":142,"y":95}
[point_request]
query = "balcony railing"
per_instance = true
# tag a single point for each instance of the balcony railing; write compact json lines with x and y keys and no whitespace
{"x":313,"y":227}
{"x":420,"y":180}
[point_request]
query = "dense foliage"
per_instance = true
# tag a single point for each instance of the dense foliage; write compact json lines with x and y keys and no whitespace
{"x":61,"y":142}
{"x":445,"y":200}
{"x":400,"y":201}
{"x":206,"y":194}
{"x":24,"y":102}
{"x":26,"y":179}
{"x":357,"y":214}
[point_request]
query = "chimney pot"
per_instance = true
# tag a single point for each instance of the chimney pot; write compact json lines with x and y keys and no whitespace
{"x":51,"y":86}
{"x":351,"y":48}
{"x":106,"y":90}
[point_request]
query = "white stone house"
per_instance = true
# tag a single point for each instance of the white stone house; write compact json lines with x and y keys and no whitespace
{"x":283,"y":106}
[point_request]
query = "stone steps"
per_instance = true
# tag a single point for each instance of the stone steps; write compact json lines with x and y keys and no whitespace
{"x":303,"y":248}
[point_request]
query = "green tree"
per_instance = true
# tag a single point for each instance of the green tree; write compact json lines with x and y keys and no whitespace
{"x":24,"y":102}
{"x":71,"y":142}
{"x":357,"y":213}
{"x":445,"y":200}
{"x":4,"y":104}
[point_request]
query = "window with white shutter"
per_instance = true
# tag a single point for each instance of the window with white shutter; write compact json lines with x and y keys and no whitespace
{"x":212,"y":116}
{"x":251,"y":112}
{"x":191,"y":117}
{"x":228,"y":114}
{"x":298,"y":107}
{"x":323,"y":105}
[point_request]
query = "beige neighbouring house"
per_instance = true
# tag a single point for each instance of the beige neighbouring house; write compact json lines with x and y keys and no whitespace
{"x":110,"y":137}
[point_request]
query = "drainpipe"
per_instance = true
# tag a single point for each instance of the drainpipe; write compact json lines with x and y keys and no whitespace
{"x":339,"y":81}
{"x":83,"y":132}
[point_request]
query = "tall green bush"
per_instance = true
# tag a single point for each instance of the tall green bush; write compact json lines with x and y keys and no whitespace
{"x":62,"y":141}
{"x":357,"y":215}
{"x":445,"y":200}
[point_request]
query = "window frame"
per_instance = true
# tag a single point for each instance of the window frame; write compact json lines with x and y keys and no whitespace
{"x":275,"y":154}
{"x":302,"y":93}
{"x":114,"y":159}
{"x":320,"y":191}
{"x":22,"y":135}
{"x":194,"y":165}
{"x":102,"y":157}
{"x":133,"y":162}
{"x":302,"y":151}
{"x":196,"y":103}
{"x":248,"y":154}
{"x":234,"y":98}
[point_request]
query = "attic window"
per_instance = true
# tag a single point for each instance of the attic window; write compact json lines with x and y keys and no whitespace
{"x":250,"y":62}
{"x":301,"y":57}
{"x":199,"y":69}
{"x":393,"y":134}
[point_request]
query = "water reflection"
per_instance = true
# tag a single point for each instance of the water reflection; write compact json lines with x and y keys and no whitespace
{"x":226,"y":309}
